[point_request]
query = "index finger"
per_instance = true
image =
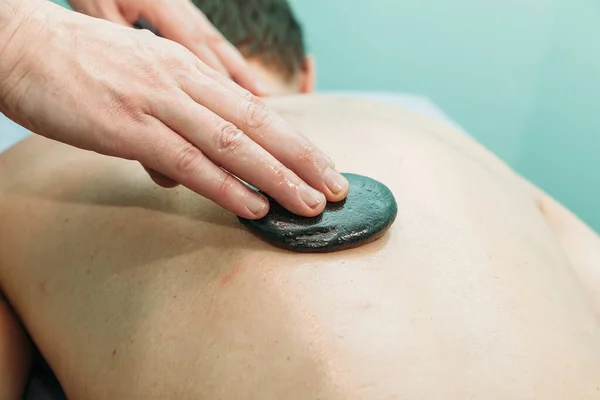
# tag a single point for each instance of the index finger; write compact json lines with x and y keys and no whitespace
{"x":270,"y":131}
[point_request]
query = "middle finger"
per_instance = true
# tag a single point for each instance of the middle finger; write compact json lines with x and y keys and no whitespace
{"x":268,"y":130}
{"x":230,"y":148}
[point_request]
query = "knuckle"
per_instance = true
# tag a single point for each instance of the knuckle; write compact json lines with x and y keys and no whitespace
{"x":131,"y":138}
{"x":248,"y":97}
{"x":280,"y":175}
{"x":213,"y":38}
{"x":173,"y":62}
{"x":188,"y":160}
{"x":307,"y":153}
{"x":226,"y":187}
{"x":131,"y":106}
{"x":256,"y":114}
{"x":229,"y":138}
{"x":153,"y":79}
{"x":174,"y":56}
{"x":146,"y":34}
{"x":177,"y":68}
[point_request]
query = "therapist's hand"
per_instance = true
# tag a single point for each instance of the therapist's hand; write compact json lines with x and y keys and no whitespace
{"x":129,"y":94}
{"x":182,"y":22}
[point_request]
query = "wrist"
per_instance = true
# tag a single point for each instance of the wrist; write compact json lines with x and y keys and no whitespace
{"x":13,"y":14}
{"x":16,"y":19}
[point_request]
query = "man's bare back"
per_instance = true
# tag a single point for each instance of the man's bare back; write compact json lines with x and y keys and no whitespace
{"x":136,"y":292}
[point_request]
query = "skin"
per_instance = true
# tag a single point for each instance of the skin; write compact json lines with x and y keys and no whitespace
{"x":15,"y":354}
{"x":135,"y":292}
{"x":302,"y":83}
{"x":132,"y":95}
{"x":182,"y":22}
{"x":276,"y":84}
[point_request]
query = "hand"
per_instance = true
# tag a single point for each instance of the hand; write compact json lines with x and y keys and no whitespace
{"x":129,"y":94}
{"x":182,"y":22}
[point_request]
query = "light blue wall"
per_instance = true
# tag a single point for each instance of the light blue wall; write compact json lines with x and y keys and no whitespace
{"x":560,"y":147}
{"x":522,"y":76}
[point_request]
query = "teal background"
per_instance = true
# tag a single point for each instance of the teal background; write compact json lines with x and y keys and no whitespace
{"x":62,"y":3}
{"x":521,"y":76}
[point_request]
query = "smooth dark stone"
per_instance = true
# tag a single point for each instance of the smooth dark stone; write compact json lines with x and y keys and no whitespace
{"x":365,"y":215}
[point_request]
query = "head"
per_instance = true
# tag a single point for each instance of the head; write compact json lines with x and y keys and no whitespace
{"x":268,"y":35}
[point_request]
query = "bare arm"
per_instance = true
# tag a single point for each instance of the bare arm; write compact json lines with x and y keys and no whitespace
{"x":15,"y":355}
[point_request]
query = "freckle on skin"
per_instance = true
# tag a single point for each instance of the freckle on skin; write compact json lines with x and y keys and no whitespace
{"x":114,"y":352}
{"x":43,"y":287}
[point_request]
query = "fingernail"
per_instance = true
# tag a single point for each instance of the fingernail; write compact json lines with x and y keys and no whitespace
{"x":256,"y":203}
{"x":335,"y":181}
{"x":311,"y":197}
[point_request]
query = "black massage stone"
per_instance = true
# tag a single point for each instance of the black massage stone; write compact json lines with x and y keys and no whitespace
{"x":364,"y":216}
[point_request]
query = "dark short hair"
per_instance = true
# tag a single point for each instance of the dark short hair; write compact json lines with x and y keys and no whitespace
{"x":262,"y":29}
